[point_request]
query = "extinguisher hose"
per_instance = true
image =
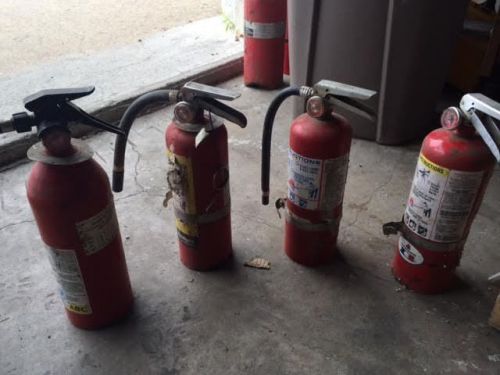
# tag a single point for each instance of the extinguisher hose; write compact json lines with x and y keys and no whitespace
{"x":138,"y":105}
{"x":266,"y":138}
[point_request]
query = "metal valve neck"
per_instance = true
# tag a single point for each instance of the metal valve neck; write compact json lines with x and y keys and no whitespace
{"x":453,"y":119}
{"x":57,"y":142}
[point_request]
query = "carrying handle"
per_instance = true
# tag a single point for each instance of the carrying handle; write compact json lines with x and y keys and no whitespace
{"x":222,"y":110}
{"x":77,"y":114}
{"x":197,"y":98}
{"x":337,"y":94}
{"x":474,"y":105}
{"x":326,"y":87}
{"x":192,"y":89}
{"x":45,"y":99}
{"x":53,"y":108}
{"x":204,"y":97}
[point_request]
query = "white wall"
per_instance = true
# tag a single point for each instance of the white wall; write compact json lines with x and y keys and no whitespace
{"x":233,"y":11}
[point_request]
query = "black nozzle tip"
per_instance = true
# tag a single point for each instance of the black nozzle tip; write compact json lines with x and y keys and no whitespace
{"x":22,"y":122}
{"x":117,"y":184}
{"x":265,"y":200}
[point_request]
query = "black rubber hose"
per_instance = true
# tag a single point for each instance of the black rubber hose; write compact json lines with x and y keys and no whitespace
{"x":6,"y":127}
{"x":266,"y":138}
{"x":128,"y":118}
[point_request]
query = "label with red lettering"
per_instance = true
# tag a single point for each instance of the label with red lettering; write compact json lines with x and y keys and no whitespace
{"x":409,"y":252}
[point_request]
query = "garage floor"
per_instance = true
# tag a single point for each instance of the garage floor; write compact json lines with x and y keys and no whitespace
{"x":347,"y":318}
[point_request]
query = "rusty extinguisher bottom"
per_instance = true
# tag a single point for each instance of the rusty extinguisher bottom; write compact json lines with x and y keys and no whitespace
{"x":425,"y":271}
{"x":310,"y":244}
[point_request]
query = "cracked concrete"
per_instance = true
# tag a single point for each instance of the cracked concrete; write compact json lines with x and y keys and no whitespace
{"x":347,"y":318}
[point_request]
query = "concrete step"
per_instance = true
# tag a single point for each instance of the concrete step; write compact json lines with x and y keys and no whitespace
{"x":201,"y":50}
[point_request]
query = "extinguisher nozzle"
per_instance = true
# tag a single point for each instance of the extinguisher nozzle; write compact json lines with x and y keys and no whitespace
{"x":265,"y":198}
{"x":117,"y":183}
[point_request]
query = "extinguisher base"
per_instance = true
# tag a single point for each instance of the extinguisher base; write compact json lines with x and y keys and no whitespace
{"x":423,"y":278}
{"x":319,"y":260}
{"x":88,"y":322}
{"x":310,"y":248}
{"x":211,"y":248}
{"x":203,"y":265}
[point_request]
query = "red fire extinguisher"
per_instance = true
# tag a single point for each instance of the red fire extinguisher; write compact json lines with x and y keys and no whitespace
{"x":198,"y":171}
{"x":71,"y":200}
{"x":453,"y":170}
{"x":318,"y":158}
{"x":286,"y":54}
{"x":264,"y":31}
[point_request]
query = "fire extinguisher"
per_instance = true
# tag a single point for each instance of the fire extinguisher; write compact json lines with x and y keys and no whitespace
{"x":264,"y":30}
{"x":198,"y":171}
{"x":452,"y":173}
{"x":72,"y":203}
{"x":318,"y":158}
{"x":286,"y":53}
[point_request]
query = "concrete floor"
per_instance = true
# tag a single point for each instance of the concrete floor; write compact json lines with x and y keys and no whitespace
{"x":347,"y":318}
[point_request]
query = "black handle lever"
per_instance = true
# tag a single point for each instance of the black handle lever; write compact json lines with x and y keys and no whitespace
{"x":75,"y":113}
{"x":194,"y":89}
{"x":46,"y":99}
{"x":222,"y":110}
{"x":53,"y":108}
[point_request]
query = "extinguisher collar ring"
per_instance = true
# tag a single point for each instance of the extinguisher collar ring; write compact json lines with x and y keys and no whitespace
{"x":189,"y":127}
{"x":304,"y":224}
{"x":420,"y":242}
{"x":37,"y":152}
{"x":206,"y":218}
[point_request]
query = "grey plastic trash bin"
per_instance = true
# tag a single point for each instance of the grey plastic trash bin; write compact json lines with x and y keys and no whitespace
{"x":400,"y":48}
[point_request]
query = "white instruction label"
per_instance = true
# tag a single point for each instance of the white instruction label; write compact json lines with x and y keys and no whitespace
{"x":316,"y":184}
{"x":333,"y":182}
{"x":409,"y":252}
{"x":441,"y":201}
{"x":261,"y":30}
{"x":98,"y":231}
{"x":69,"y":277}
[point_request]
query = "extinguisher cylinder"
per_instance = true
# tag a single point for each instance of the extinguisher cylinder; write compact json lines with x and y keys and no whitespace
{"x":71,"y":200}
{"x":198,"y":176}
{"x":264,"y":30}
{"x":451,"y":176}
{"x":266,"y":138}
{"x":75,"y":215}
{"x":317,"y":171}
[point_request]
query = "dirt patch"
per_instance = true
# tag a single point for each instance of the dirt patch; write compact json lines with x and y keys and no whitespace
{"x":35,"y":31}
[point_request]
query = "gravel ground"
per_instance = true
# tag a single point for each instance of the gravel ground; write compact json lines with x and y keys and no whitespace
{"x":38,"y":31}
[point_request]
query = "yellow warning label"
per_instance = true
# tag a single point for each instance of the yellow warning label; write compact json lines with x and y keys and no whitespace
{"x":80,"y":309}
{"x":181,"y":181}
{"x":187,"y":229}
{"x":434,"y":167}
